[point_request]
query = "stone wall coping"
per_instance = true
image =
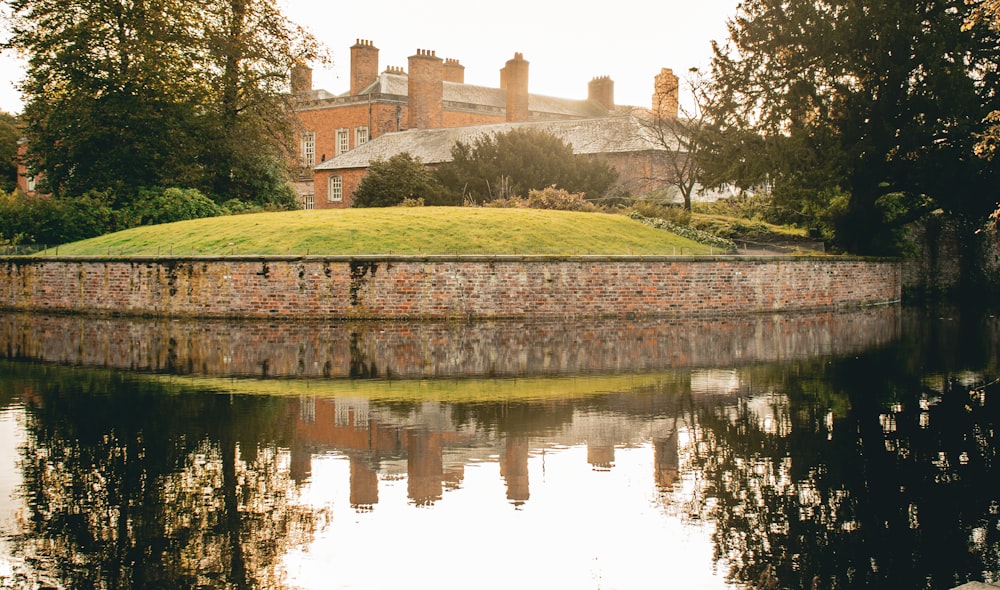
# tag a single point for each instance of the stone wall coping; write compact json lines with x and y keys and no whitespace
{"x":534,"y":258}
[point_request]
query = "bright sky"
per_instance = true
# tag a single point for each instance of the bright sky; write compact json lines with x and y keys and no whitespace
{"x":628,"y":40}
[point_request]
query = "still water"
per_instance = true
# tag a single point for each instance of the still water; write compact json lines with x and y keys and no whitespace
{"x":837,"y":450}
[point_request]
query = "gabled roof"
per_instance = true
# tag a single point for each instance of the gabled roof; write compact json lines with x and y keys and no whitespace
{"x":606,"y":135}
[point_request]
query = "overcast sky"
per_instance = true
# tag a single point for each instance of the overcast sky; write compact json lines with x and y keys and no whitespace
{"x":628,"y":40}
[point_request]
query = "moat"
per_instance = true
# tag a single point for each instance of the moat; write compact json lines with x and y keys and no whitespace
{"x":850,"y":449}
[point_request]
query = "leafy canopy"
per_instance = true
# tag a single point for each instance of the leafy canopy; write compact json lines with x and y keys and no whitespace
{"x":871,"y":109}
{"x":123,"y":94}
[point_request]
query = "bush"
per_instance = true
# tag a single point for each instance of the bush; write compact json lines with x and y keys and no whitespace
{"x":507,"y":164}
{"x":393,"y":181}
{"x":673,"y":213}
{"x":549,"y":198}
{"x":52,"y":221}
{"x":687,"y":232}
{"x":155,"y":206}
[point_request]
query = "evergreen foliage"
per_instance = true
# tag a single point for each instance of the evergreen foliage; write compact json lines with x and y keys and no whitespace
{"x":400,"y":178}
{"x":510,"y":164}
{"x":870,"y":110}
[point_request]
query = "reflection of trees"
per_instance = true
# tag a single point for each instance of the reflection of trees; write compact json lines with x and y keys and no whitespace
{"x":138,"y":488}
{"x":871,"y":480}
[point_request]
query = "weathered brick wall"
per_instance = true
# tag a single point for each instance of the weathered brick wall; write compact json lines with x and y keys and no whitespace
{"x":444,"y":286}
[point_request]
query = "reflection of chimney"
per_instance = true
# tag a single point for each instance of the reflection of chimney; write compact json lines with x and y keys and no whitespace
{"x":454,"y":71}
{"x":364,"y":485}
{"x":666,"y":92}
{"x":514,"y":468}
{"x":364,"y":65}
{"x":514,"y":78}
{"x":302,"y":79}
{"x":665,"y":460}
{"x":602,"y":90}
{"x":425,"y":93}
{"x":601,"y":456}
{"x":424,"y":466}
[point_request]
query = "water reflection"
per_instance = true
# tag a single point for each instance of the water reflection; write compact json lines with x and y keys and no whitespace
{"x":406,"y":350}
{"x":794,"y":452}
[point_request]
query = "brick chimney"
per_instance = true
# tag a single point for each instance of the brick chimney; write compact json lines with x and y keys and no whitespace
{"x":301,"y":79}
{"x":602,"y":90}
{"x":364,"y":65}
{"x":454,"y":71}
{"x":514,"y":78}
{"x":425,"y":94}
{"x":666,"y":93}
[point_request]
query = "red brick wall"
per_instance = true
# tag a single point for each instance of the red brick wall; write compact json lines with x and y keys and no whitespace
{"x":445,"y":287}
{"x":321,"y":185}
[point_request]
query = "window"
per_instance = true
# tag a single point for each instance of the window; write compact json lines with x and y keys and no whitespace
{"x":343,"y":141}
{"x":336,"y":193}
{"x":360,"y":136}
{"x":308,"y":150}
{"x":309,"y":201}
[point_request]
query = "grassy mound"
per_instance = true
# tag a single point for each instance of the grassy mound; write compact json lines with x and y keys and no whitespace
{"x":396,"y":230}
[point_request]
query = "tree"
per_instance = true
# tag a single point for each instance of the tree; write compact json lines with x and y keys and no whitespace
{"x":123,"y":94}
{"x":986,"y":13}
{"x":512,"y":163}
{"x":683,"y":136}
{"x":390,"y":182}
{"x":870,"y":107}
{"x":252,"y":49}
{"x":9,"y":136}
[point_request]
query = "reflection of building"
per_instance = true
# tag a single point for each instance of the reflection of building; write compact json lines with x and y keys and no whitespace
{"x":665,"y":459}
{"x":364,"y":484}
{"x":601,"y":456}
{"x":423,"y":441}
{"x":425,"y":466}
{"x":514,"y":468}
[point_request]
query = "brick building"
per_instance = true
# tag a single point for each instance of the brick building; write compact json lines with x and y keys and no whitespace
{"x":428,"y":106}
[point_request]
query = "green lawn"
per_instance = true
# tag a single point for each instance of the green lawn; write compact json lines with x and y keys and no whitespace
{"x":395,"y":230}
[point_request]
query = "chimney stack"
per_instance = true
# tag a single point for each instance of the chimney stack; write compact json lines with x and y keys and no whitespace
{"x":364,"y":65}
{"x":454,"y":71}
{"x":602,"y":90}
{"x":425,"y":92}
{"x":514,"y":77}
{"x":666,"y":93}
{"x":301,"y":79}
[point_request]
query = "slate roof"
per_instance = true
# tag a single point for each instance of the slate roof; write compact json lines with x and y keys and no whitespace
{"x":606,"y":135}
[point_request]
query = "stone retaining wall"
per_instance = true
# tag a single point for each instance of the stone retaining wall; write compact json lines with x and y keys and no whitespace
{"x":443,"y":286}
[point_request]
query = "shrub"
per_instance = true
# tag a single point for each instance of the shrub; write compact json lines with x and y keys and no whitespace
{"x":549,"y":198}
{"x":51,"y":220}
{"x":156,"y":206}
{"x":673,"y":213}
{"x":506,"y":164}
{"x":557,"y":198}
{"x":687,"y":232}
{"x":401,"y":177}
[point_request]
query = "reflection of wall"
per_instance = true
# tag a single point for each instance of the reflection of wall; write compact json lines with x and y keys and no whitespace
{"x":445,"y":287}
{"x":422,"y":349}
